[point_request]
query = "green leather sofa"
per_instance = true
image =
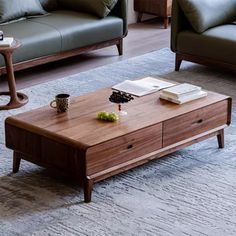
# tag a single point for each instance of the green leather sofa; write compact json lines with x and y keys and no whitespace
{"x":204,"y":32}
{"x":64,"y":33}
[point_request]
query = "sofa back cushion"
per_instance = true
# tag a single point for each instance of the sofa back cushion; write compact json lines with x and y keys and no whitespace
{"x":49,"y":5}
{"x":15,"y":9}
{"x":204,"y":14}
{"x":100,"y":8}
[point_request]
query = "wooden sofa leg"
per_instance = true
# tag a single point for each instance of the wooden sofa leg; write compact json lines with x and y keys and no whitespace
{"x":178,"y":61}
{"x":120,"y":47}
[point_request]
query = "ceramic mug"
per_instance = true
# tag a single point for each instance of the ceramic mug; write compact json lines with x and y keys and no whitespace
{"x":61,"y":102}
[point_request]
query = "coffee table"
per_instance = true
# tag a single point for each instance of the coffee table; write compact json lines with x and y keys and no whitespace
{"x":78,"y":145}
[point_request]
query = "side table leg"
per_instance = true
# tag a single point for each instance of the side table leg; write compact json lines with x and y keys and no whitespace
{"x":16,"y":162}
{"x":221,"y":139}
{"x":88,"y":188}
{"x":16,"y":99}
{"x":10,"y":77}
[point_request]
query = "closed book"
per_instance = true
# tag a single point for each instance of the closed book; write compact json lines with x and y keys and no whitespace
{"x":189,"y":98}
{"x":6,"y":42}
{"x":180,"y":90}
{"x":182,"y":96}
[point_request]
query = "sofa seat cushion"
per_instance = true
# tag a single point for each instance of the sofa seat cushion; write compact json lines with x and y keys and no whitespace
{"x":81,"y":29}
{"x":218,"y":43}
{"x":38,"y":40}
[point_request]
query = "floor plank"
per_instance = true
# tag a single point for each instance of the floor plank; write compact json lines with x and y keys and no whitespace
{"x":142,"y":38}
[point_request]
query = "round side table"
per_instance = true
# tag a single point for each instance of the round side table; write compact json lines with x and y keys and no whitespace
{"x":16,"y":99}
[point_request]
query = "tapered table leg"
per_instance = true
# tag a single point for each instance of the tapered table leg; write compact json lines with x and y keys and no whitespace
{"x":88,"y":188}
{"x":221,"y":139}
{"x":16,"y":162}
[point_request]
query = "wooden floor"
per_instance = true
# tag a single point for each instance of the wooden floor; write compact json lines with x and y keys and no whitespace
{"x":142,"y":38}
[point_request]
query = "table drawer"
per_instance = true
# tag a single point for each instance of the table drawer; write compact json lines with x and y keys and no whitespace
{"x":194,"y":123}
{"x":123,"y":149}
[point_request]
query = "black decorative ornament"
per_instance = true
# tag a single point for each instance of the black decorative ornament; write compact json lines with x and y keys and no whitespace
{"x":119,"y":97}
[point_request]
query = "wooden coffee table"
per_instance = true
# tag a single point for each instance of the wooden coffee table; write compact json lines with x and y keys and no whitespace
{"x":78,"y":145}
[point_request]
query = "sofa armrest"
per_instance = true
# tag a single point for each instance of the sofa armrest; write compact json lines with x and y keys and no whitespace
{"x":178,"y":23}
{"x":120,"y":10}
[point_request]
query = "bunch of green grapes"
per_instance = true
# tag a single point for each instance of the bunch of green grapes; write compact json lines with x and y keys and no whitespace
{"x":107,"y":116}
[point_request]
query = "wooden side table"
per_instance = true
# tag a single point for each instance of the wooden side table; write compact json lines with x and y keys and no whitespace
{"x":160,"y":8}
{"x":16,"y":99}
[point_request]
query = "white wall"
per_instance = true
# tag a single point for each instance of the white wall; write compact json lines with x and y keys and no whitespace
{"x":132,"y":15}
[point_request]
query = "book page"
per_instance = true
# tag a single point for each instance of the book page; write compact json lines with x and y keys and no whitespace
{"x":157,"y":83}
{"x":133,"y":88}
{"x":143,"y":86}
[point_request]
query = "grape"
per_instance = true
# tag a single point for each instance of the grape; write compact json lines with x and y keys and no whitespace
{"x":107,"y":116}
{"x":103,"y":114}
{"x":113,"y":116}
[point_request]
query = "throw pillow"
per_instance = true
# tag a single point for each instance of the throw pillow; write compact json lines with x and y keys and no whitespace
{"x":100,"y":8}
{"x":15,"y":9}
{"x":204,"y":14}
{"x":49,"y":5}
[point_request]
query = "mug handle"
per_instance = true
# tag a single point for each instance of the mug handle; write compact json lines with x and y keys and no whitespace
{"x":53,"y":106}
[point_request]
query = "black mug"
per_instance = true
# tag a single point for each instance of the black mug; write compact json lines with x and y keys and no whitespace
{"x":61,"y":102}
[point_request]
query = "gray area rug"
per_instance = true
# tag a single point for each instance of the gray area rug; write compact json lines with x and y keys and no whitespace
{"x":191,"y":192}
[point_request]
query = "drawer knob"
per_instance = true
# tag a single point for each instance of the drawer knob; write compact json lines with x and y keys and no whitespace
{"x":200,"y":121}
{"x":130,"y":146}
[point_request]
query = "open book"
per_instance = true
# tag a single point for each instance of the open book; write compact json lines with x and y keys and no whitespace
{"x":143,"y":86}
